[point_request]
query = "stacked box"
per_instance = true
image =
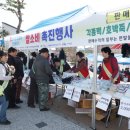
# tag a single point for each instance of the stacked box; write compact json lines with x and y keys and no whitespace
{"x":85,"y":103}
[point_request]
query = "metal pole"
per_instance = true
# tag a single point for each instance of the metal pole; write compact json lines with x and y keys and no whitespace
{"x":94,"y":89}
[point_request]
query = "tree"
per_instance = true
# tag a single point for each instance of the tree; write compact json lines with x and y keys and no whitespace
{"x":4,"y":33}
{"x":15,"y":6}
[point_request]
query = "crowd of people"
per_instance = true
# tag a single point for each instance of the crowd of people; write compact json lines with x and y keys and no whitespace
{"x":41,"y":69}
{"x":11,"y":68}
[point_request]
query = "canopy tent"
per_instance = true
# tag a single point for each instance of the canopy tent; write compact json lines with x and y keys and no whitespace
{"x":124,"y":61}
{"x":117,"y":46}
{"x":78,"y":30}
{"x":120,"y":59}
{"x":55,"y":32}
{"x":57,"y":19}
{"x":91,"y":57}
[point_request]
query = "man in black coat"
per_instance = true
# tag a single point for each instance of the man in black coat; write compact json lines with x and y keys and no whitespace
{"x":11,"y":90}
{"x":19,"y":74}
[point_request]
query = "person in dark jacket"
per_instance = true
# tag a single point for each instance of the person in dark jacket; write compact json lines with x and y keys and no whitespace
{"x":42,"y":71}
{"x":20,"y":74}
{"x":31,"y":60}
{"x":33,"y":91}
{"x":60,"y":66}
{"x":11,"y":91}
{"x":56,"y":65}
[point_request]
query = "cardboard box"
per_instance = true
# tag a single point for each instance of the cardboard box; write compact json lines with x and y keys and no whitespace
{"x":100,"y":114}
{"x":113,"y":114}
{"x":85,"y":103}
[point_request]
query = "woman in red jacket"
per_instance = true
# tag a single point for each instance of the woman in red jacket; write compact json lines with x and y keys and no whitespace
{"x":110,"y":68}
{"x":81,"y":66}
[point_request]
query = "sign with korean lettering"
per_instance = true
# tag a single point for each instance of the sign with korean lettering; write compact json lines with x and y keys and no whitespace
{"x":97,"y":29}
{"x":124,"y":109}
{"x":57,"y":34}
{"x":104,"y":101}
{"x":119,"y":15}
{"x":76,"y":94}
{"x":69,"y":91}
{"x":33,"y":38}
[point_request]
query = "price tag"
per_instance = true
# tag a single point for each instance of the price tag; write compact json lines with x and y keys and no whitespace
{"x":69,"y":91}
{"x":104,"y":101}
{"x":76,"y":94}
{"x":124,"y":108}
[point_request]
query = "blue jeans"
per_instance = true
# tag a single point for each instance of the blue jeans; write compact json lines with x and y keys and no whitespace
{"x":4,"y":105}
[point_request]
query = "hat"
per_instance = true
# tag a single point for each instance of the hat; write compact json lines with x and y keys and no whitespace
{"x":43,"y":50}
{"x":56,"y":60}
{"x":2,"y":53}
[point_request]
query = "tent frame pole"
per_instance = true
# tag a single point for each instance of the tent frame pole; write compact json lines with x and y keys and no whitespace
{"x":94,"y":89}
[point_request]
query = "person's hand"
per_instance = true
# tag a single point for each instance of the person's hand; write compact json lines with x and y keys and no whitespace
{"x":15,"y":80}
{"x":12,"y":77}
{"x":112,"y":80}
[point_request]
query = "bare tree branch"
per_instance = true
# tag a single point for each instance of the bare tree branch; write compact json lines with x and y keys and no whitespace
{"x":15,"y":6}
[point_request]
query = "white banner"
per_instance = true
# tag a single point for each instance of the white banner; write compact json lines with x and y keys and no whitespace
{"x":104,"y":101}
{"x":124,"y":109}
{"x":92,"y":30}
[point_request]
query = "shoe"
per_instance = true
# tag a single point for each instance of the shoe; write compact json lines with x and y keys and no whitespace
{"x":14,"y":107}
{"x":7,"y":122}
{"x":45,"y":109}
{"x":19,"y":101}
{"x":32,"y":106}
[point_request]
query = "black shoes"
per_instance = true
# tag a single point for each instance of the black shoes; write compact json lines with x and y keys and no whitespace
{"x":5,"y":122}
{"x":32,"y":106}
{"x":14,"y":107}
{"x":45,"y":109}
{"x":19,"y":101}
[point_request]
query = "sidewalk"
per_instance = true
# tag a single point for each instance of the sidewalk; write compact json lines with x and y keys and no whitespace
{"x":26,"y":118}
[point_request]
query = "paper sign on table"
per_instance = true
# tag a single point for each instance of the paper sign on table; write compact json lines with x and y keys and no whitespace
{"x":124,"y":108}
{"x":76,"y":94}
{"x":127,"y":94}
{"x":104,"y":101}
{"x":68,"y":92}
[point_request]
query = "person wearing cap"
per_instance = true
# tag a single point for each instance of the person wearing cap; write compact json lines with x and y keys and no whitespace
{"x":60,"y":66}
{"x":5,"y":76}
{"x":42,"y":71}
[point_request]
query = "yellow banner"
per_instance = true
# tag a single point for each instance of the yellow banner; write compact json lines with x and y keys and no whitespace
{"x":118,"y":15}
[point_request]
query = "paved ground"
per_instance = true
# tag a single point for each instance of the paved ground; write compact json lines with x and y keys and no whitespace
{"x":27,"y":118}
{"x":61,"y":117}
